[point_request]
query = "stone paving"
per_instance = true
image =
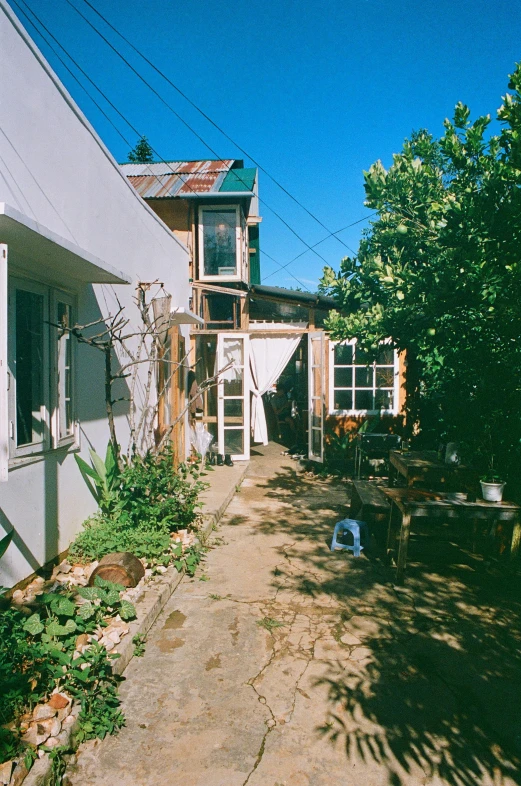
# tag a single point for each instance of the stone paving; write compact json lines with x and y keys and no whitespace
{"x":282,"y":664}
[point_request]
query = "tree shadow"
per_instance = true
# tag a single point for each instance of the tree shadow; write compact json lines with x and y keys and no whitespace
{"x":430,"y":675}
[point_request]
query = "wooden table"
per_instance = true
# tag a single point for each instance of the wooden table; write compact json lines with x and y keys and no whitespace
{"x":424,"y":466}
{"x":416,"y":502}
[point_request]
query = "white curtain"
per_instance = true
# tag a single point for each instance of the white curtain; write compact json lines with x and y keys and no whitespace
{"x":269,"y":356}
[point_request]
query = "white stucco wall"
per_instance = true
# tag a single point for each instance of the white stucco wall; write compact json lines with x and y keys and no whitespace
{"x":55,"y":169}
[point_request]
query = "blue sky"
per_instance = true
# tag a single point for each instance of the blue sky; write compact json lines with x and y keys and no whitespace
{"x":315,"y":90}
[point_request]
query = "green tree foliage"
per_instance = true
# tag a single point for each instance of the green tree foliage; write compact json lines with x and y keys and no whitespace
{"x":142,"y":153}
{"x":438,"y":272}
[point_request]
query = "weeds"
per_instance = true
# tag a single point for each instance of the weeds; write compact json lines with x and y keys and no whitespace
{"x":139,"y":641}
{"x":269,"y":623}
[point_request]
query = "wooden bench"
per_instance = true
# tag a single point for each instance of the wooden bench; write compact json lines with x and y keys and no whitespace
{"x":369,"y":503}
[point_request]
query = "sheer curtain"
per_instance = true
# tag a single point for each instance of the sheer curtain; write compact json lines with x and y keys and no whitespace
{"x":269,"y":356}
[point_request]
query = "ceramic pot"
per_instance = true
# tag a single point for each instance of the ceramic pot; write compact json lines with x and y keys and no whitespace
{"x":492,"y":492}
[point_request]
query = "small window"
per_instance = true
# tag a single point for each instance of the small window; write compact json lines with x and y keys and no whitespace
{"x":221,"y":243}
{"x":41,"y":368}
{"x":358,"y":386}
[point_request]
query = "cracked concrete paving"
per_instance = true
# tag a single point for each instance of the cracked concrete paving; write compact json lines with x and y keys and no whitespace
{"x":293,"y":666}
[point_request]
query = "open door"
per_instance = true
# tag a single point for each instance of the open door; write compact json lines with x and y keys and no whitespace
{"x":316,"y":374}
{"x":233,"y":389}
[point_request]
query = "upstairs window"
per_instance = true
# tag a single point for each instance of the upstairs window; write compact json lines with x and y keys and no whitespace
{"x":359,"y":387}
{"x":220,"y":243}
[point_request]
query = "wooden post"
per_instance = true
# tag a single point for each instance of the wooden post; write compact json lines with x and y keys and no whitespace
{"x":402,"y":546}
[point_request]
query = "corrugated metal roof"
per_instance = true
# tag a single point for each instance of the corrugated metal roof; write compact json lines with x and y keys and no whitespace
{"x":182,"y":178}
{"x":239,"y":180}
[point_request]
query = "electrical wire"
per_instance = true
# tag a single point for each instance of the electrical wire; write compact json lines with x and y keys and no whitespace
{"x":283,"y":267}
{"x":187,"y":125}
{"x":111,"y":104}
{"x":216,"y":125}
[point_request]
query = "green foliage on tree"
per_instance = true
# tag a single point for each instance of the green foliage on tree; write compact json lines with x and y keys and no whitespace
{"x":142,"y":153}
{"x":438,"y":272}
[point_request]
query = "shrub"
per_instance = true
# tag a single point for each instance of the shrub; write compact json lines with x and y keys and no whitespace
{"x":151,"y":500}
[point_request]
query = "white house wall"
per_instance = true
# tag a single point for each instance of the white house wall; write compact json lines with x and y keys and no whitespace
{"x":55,"y":169}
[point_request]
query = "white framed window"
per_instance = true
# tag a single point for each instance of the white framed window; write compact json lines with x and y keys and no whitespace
{"x":357,"y":387}
{"x":64,"y":351}
{"x":41,"y":369}
{"x":221,"y":243}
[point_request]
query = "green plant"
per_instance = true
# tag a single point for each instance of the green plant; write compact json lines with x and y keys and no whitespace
{"x":102,"y":478}
{"x":438,"y":273}
{"x":139,"y":641}
{"x":103,"y":599}
{"x":150,"y":500}
{"x":269,"y":623}
{"x":189,"y":559}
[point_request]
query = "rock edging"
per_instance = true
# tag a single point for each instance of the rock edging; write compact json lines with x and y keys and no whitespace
{"x":148,"y":607}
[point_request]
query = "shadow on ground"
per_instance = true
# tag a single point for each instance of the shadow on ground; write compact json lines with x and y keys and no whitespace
{"x":432,"y":673}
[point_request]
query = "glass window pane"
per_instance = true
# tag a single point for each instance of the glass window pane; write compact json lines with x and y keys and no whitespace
{"x":343,"y":377}
{"x":364,"y":377}
{"x":233,"y":408}
{"x":234,"y":441}
{"x":316,"y":442}
{"x":362,"y":357}
{"x":385,"y":356}
{"x":343,"y":354}
{"x":384,"y":399}
{"x":65,"y":422}
{"x":233,"y":356}
{"x":343,"y":399}
{"x":220,"y":242}
{"x":364,"y":399}
{"x":29,"y":367}
{"x":384,"y":377}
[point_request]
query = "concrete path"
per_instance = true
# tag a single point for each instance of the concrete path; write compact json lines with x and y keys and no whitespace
{"x":282,"y":664}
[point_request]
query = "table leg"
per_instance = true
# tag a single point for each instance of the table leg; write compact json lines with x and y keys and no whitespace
{"x":392,"y":475}
{"x":402,"y":547}
{"x":390,"y":531}
{"x":516,"y":538}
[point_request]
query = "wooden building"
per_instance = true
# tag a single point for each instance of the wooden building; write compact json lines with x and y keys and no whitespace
{"x":253,"y":335}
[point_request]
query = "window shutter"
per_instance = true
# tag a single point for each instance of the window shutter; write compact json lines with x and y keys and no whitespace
{"x":4,"y":414}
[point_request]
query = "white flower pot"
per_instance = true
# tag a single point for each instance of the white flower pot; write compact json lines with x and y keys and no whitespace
{"x":492,"y":492}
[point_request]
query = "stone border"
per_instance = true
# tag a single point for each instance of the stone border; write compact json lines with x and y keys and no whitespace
{"x":148,"y":608}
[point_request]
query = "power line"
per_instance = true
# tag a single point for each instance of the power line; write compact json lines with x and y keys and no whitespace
{"x":214,"y":124}
{"x":111,"y":104}
{"x":185,"y":123}
{"x":283,"y":267}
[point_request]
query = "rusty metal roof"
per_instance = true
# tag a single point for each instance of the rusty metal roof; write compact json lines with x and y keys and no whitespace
{"x":177,"y":178}
{"x":183,"y":178}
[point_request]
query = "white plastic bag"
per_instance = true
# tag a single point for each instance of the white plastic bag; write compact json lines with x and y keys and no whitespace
{"x":200,"y":439}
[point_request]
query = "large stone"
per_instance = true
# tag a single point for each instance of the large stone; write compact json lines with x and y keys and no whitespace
{"x":58,"y":701}
{"x":43,"y":711}
{"x":5,"y":772}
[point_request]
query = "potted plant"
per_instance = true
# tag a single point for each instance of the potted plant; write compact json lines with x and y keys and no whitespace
{"x":491,"y":485}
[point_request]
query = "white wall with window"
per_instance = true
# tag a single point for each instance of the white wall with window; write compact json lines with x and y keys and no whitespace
{"x":360,"y":386}
{"x":78,"y":238}
{"x":222,"y":243}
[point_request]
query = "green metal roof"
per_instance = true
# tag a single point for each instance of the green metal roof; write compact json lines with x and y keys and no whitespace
{"x":239,"y":180}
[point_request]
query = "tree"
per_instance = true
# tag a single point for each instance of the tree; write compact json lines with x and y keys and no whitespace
{"x":438,"y":272}
{"x":142,"y":152}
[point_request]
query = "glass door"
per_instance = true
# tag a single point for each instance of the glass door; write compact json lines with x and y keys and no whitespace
{"x":316,"y":377}
{"x":233,"y":402}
